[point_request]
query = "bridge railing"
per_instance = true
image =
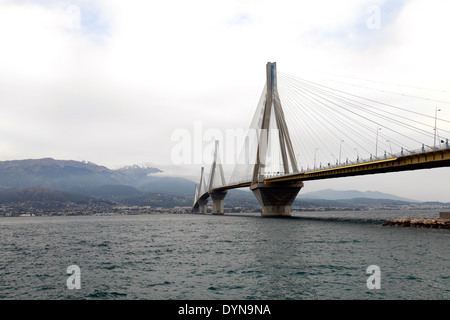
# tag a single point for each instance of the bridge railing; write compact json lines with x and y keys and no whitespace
{"x":385,"y":156}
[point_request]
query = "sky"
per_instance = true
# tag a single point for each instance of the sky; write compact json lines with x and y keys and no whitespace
{"x":112,"y":82}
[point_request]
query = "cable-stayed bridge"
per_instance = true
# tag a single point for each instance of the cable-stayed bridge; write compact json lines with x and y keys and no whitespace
{"x":304,"y":130}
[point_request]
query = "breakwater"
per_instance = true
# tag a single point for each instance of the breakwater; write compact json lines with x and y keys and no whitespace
{"x":420,"y":223}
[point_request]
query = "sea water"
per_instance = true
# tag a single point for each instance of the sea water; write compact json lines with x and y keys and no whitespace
{"x":313,"y":255}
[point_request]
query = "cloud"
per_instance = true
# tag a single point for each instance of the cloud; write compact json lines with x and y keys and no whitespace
{"x":370,"y":25}
{"x":109,"y":81}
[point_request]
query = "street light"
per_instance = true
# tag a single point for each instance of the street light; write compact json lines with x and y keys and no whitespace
{"x":376,"y":145}
{"x":340,"y":149}
{"x":357,"y":155}
{"x":315,"y":153}
{"x":435,"y":125}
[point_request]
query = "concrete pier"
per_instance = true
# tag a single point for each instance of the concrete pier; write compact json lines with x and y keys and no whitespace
{"x":218,"y":202}
{"x":276,"y":200}
{"x":203,"y":205}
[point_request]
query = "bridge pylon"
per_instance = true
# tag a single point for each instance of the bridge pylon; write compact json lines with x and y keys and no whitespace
{"x":200,"y":198}
{"x":218,"y":201}
{"x":275,"y":199}
{"x":217,"y":171}
{"x":195,"y":204}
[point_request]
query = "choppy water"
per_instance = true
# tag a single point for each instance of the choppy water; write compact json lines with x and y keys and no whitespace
{"x":310,"y":256}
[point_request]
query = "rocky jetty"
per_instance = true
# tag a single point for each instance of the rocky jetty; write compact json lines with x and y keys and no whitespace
{"x":420,"y":223}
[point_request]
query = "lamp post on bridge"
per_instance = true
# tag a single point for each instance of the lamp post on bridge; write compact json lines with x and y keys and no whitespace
{"x":340,"y":151}
{"x":435,"y":125}
{"x":376,"y":144}
{"x":315,"y":154}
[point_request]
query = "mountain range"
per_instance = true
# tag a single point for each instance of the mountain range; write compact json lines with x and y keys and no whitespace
{"x":48,"y":183}
{"x":330,"y":194}
{"x":88,"y":178}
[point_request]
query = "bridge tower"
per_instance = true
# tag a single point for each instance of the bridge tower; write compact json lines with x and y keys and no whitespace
{"x":276,"y":198}
{"x":200,"y":198}
{"x":217,"y":196}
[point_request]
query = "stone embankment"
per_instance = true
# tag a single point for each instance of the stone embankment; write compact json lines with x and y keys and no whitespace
{"x":420,"y":223}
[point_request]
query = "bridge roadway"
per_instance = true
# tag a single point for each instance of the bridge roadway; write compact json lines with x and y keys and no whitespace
{"x":425,"y":160}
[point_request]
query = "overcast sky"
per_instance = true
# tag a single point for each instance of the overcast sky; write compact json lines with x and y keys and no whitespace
{"x":110,"y":81}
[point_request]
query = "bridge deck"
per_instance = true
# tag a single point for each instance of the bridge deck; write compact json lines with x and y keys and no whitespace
{"x":233,"y":186}
{"x":425,"y":160}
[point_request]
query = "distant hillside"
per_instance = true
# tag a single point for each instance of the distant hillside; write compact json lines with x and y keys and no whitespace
{"x":55,"y":174}
{"x":115,"y":193}
{"x":159,"y":200}
{"x":330,"y":194}
{"x":351,"y":204}
{"x":169,"y":185}
{"x":47,"y":199}
{"x":241,"y":198}
{"x":89,"y":179}
{"x":135,"y":175}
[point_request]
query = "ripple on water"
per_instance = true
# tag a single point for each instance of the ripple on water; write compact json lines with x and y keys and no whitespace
{"x":199,"y":257}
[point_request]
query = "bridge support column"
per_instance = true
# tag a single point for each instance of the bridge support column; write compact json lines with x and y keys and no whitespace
{"x":276,"y":199}
{"x":218,"y":202}
{"x":203,"y":205}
